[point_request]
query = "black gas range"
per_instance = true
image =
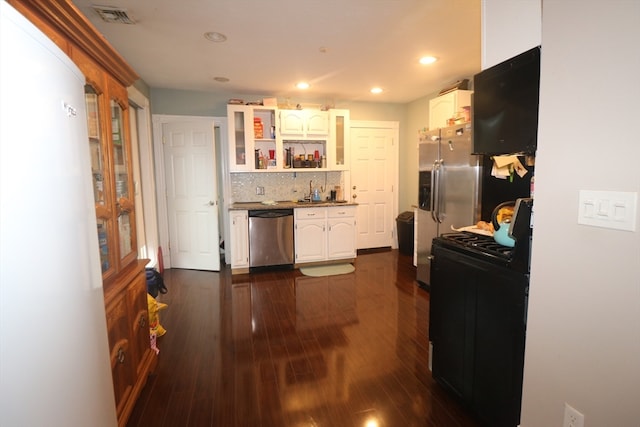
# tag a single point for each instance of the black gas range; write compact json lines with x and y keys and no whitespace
{"x":478,"y":245}
{"x":485,"y":248}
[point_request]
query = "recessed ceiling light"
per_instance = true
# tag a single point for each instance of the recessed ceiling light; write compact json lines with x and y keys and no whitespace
{"x":302,"y":85}
{"x":428,"y":60}
{"x":376,"y":90}
{"x":215,"y":36}
{"x":221,"y":79}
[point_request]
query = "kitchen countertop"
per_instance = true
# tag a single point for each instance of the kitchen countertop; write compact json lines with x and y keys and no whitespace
{"x":286,"y":204}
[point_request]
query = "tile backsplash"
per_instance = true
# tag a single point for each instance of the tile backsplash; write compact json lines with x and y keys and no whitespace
{"x":280,"y":186}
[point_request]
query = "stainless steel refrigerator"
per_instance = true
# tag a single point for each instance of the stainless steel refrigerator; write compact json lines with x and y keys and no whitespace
{"x":449,"y":189}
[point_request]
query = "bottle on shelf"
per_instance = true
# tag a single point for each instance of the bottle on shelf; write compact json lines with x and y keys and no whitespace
{"x":531,"y":185}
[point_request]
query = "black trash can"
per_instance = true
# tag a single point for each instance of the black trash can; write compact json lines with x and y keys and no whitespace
{"x":405,"y":232}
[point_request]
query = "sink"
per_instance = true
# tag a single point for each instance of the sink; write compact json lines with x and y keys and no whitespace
{"x":310,"y":202}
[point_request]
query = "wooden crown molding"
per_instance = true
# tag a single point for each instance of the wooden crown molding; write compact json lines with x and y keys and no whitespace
{"x":63,"y":17}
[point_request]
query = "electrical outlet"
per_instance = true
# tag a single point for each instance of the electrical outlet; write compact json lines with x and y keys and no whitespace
{"x":260,"y":191}
{"x":572,"y":418}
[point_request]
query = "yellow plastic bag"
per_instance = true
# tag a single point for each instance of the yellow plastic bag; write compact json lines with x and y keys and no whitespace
{"x":154,"y":318}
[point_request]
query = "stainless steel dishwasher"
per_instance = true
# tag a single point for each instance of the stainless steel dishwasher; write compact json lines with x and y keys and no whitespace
{"x":270,"y":237}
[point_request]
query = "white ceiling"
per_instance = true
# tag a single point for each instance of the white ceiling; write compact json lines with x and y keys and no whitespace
{"x":273,"y":44}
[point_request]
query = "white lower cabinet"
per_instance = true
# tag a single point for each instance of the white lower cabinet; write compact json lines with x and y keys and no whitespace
{"x":310,"y":234}
{"x":327,"y":233}
{"x":239,"y":239}
{"x":341,"y":232}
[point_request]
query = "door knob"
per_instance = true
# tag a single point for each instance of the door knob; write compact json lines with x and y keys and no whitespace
{"x":210,"y":203}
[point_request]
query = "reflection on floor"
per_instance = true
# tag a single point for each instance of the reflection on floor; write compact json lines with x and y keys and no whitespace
{"x":282,"y":349}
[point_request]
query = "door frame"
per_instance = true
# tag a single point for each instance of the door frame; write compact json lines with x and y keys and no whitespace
{"x":146,"y":203}
{"x":163,"y":220}
{"x":395,"y":127}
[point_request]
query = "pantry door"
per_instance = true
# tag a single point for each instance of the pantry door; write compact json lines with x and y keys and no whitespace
{"x":191,"y":194}
{"x":374,"y":180}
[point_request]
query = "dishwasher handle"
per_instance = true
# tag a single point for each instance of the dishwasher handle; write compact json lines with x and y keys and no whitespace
{"x":270,"y":213}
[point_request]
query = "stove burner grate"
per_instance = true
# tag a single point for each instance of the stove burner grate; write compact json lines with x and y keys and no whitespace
{"x":479,"y":243}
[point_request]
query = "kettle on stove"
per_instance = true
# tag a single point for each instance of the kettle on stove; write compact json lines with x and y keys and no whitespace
{"x":501,"y":224}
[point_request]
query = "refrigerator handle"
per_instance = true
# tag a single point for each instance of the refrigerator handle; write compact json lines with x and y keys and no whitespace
{"x":435,"y":184}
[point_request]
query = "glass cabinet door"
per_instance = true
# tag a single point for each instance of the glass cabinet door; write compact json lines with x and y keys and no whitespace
{"x":122,"y":177}
{"x":339,"y":132}
{"x":339,"y":138}
{"x":98,"y":171}
{"x":95,"y":144}
{"x":240,"y":138}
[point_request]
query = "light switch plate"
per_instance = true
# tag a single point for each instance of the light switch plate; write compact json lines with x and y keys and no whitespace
{"x":572,"y":417}
{"x":608,"y":209}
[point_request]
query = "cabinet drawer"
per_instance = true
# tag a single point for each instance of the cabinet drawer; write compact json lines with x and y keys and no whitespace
{"x":310,"y":213}
{"x":122,"y":364}
{"x":341,"y":211}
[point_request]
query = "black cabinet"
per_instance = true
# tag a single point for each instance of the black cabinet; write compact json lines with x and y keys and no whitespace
{"x":477,"y":329}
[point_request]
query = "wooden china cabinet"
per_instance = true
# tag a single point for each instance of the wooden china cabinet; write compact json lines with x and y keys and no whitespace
{"x":124,"y":283}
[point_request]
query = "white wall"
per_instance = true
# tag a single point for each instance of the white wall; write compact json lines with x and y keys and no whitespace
{"x":583,"y":334}
{"x":508,"y":28}
{"x":417,"y":118}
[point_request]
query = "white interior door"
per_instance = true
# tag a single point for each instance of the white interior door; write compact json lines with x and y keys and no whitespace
{"x":373,"y":181}
{"x":191,"y":191}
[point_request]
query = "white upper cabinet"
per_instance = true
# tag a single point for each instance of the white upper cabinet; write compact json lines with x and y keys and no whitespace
{"x":447,"y":106}
{"x":304,"y":123}
{"x":265,"y":139}
{"x":252,"y":139}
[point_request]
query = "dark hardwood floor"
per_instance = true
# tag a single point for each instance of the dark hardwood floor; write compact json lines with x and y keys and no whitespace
{"x":281,"y":349}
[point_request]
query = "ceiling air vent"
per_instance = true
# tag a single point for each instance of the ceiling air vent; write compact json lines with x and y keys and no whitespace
{"x":113,"y":15}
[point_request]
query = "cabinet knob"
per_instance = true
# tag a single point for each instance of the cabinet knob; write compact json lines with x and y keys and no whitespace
{"x":121,"y":355}
{"x":355,"y":196}
{"x":142,"y":321}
